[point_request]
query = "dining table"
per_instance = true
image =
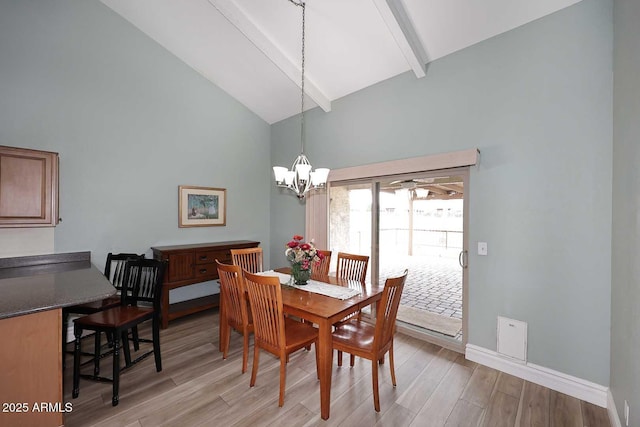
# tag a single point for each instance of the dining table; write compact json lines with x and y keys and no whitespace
{"x":324,"y":311}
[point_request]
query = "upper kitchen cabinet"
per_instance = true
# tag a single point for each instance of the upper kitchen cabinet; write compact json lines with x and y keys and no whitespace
{"x":28,"y":188}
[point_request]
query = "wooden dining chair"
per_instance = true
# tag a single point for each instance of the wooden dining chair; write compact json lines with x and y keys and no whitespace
{"x":273,"y":332}
{"x":237,"y":313}
{"x":114,"y":272}
{"x":359,"y":338}
{"x":351,"y":267}
{"x":322,"y":268}
{"x":249,"y":259}
{"x":140,"y":301}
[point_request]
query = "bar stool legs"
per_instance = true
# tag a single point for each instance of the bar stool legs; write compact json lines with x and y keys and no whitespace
{"x":96,"y":364}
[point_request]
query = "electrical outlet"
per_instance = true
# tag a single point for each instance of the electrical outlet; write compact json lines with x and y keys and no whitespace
{"x":626,"y":413}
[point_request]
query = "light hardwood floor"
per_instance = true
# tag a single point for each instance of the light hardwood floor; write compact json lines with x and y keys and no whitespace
{"x":436,"y":387}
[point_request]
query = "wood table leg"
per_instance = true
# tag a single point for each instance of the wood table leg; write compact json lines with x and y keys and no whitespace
{"x":325,"y":360}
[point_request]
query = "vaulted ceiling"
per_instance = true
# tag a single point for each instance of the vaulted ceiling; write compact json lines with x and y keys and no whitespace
{"x":251,"y":48}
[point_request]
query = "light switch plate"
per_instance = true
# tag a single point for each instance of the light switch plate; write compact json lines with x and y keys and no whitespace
{"x":482,"y":248}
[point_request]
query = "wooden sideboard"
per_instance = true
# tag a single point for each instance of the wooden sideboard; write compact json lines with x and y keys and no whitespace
{"x":191,"y":264}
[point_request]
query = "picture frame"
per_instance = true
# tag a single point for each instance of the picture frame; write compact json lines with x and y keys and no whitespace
{"x":201,"y":206}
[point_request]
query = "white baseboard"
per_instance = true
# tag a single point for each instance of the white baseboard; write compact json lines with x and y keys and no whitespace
{"x":567,"y":384}
{"x":613,"y":412}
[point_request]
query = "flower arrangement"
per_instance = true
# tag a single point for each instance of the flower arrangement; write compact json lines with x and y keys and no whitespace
{"x":299,"y":252}
{"x":302,"y":256}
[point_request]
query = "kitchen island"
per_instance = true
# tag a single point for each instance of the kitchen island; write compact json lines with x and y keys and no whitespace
{"x":33,"y":291}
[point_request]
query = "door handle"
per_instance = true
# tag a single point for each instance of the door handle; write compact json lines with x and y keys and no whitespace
{"x":463,"y":259}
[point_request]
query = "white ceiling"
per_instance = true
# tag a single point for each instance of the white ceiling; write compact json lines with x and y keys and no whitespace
{"x":251,"y":48}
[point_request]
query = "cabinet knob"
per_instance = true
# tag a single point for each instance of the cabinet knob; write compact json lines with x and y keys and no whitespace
{"x":203,"y":257}
{"x":203,"y":270}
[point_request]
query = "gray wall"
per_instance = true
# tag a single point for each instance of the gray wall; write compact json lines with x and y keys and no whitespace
{"x":131,"y":122}
{"x":625,"y":286}
{"x":537,"y":103}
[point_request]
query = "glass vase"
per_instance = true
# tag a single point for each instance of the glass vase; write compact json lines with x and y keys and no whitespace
{"x":300,"y":275}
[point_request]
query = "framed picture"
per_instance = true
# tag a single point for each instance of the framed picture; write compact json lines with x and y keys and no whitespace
{"x":201,"y":206}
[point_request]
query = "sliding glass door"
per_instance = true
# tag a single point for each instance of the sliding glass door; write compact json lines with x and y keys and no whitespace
{"x":412,"y":221}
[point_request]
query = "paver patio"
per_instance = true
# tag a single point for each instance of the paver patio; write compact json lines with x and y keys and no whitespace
{"x":434,"y":283}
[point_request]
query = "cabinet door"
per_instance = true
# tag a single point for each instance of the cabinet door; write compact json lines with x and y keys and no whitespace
{"x":28,"y":188}
{"x":180,"y":267}
{"x":32,"y":369}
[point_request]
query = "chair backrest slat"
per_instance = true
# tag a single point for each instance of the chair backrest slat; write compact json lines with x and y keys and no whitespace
{"x":265,"y":299}
{"x":388,"y":310}
{"x":114,"y":269}
{"x":143,"y":282}
{"x":322,"y":268}
{"x":249,"y":259}
{"x":147,"y":280}
{"x":232,"y":290}
{"x":352,"y":267}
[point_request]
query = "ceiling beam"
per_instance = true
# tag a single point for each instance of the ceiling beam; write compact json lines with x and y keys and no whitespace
{"x":436,"y":190}
{"x":453,"y":187}
{"x":242,"y":22}
{"x":397,"y":19}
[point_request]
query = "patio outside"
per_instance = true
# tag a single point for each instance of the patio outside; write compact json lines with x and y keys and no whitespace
{"x":434,"y":285}
{"x":419,"y":232}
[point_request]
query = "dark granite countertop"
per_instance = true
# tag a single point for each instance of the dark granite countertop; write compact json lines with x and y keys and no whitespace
{"x":32,"y":284}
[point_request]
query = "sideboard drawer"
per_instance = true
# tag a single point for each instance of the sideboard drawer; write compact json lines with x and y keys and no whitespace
{"x":206,"y":257}
{"x":206,"y":270}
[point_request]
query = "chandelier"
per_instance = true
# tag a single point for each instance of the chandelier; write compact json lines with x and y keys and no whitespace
{"x":301,"y":178}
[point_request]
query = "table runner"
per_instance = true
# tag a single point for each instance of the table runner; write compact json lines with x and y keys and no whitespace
{"x":322,"y":288}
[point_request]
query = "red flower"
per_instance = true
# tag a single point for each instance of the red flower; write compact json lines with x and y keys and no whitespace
{"x":292,"y":244}
{"x":298,"y":237}
{"x":320,"y":255}
{"x":305,"y":246}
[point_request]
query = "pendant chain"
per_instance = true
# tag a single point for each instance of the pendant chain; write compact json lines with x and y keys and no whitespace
{"x":302,"y":124}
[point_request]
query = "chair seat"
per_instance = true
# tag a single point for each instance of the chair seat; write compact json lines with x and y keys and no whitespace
{"x":115,"y":318}
{"x":298,"y":334}
{"x":354,"y":334}
{"x":95,"y":306}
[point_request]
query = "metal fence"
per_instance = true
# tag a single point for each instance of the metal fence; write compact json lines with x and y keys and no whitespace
{"x":423,"y":239}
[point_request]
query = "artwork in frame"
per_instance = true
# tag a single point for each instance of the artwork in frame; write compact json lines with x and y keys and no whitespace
{"x":201,"y":206}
